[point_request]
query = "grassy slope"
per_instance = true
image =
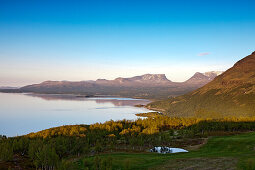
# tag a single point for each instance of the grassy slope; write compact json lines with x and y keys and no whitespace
{"x":230,"y":94}
{"x":219,"y":152}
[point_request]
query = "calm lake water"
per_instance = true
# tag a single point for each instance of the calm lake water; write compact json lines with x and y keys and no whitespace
{"x":24,"y":113}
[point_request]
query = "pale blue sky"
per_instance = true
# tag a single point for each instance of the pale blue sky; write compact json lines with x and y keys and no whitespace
{"x":86,"y":40}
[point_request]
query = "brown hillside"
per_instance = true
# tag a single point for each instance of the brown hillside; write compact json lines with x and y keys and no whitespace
{"x":229,"y":94}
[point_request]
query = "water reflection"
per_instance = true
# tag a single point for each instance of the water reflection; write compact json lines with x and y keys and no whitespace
{"x":117,"y":101}
{"x":24,"y":113}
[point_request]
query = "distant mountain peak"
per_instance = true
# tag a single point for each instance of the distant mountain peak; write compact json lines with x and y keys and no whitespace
{"x":147,"y":80}
{"x":199,"y":74}
{"x":144,"y":78}
{"x":197,"y":78}
{"x":157,"y":77}
{"x":203,"y":78}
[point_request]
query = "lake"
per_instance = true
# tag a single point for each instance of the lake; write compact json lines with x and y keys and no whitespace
{"x":25,"y":113}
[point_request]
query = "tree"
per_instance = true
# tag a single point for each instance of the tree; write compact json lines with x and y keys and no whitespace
{"x":98,"y":146}
{"x":6,"y":151}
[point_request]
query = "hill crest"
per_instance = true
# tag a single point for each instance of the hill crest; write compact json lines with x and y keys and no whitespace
{"x":229,"y":94}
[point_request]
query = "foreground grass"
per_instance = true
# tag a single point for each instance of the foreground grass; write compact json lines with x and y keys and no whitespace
{"x":224,"y":152}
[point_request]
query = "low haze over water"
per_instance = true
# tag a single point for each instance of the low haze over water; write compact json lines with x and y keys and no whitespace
{"x":25,"y":113}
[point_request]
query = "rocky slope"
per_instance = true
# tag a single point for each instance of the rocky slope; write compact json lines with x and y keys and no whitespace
{"x":229,"y":94}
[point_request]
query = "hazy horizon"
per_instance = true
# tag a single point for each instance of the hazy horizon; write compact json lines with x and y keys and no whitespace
{"x":99,"y":78}
{"x":89,"y":40}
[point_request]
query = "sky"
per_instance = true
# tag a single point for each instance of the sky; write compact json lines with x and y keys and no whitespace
{"x":86,"y":40}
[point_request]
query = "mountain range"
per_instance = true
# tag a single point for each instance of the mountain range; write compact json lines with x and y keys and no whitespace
{"x":153,"y":86}
{"x":229,"y":94}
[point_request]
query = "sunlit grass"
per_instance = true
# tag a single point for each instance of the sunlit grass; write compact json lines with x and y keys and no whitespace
{"x":237,"y":150}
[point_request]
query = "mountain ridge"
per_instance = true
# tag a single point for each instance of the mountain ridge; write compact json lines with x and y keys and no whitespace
{"x":143,"y":78}
{"x":150,"y":86}
{"x":230,"y":94}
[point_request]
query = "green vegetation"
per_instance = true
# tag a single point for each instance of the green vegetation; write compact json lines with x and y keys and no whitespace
{"x":219,"y":113}
{"x":149,"y":114}
{"x":225,"y":152}
{"x":208,"y":105}
{"x":59,"y":148}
